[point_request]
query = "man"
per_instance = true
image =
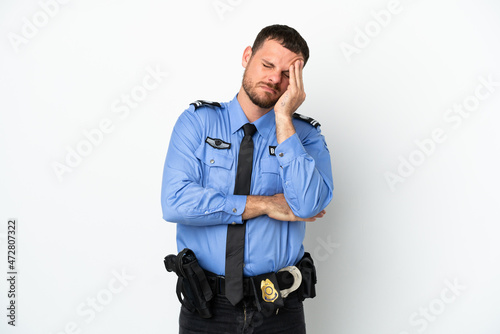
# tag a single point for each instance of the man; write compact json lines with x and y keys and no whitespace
{"x":241,"y":193}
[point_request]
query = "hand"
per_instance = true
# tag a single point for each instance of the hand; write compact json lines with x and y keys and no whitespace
{"x":280,"y":210}
{"x":293,"y":97}
{"x":275,"y":207}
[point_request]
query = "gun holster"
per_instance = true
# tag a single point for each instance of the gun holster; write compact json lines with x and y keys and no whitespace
{"x":193,"y":290}
{"x":306,"y":266}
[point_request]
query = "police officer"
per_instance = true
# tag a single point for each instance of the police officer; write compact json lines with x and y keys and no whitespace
{"x":212,"y":147}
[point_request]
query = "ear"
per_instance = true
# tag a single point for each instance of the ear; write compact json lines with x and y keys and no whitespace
{"x":247,"y":54}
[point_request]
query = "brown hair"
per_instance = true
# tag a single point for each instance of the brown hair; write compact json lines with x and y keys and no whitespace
{"x":288,"y":37}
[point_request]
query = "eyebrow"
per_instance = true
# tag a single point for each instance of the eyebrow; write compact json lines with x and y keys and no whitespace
{"x":267,"y":62}
{"x":271,"y":64}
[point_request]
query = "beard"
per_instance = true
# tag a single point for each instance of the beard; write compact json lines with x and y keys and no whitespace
{"x":265,"y":101}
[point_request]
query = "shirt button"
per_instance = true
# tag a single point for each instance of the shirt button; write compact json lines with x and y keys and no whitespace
{"x":234,"y":210}
{"x":212,"y":161}
{"x":233,"y":223}
{"x":281,"y":154}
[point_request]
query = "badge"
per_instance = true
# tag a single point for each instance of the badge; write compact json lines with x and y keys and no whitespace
{"x":272,"y":150}
{"x":269,"y":293}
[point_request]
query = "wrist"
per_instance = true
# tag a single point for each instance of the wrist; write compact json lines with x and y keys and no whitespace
{"x":255,"y":206}
{"x":282,"y":114}
{"x":284,"y":127}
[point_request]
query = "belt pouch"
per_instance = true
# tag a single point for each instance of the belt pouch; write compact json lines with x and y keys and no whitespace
{"x":306,"y":266}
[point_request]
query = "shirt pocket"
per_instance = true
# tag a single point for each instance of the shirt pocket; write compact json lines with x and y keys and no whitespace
{"x":217,"y":167}
{"x":270,"y":176}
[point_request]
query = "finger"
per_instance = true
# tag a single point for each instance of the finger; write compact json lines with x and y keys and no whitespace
{"x":321,"y":214}
{"x":298,"y":75}
{"x":311,"y":219}
{"x":292,"y":79}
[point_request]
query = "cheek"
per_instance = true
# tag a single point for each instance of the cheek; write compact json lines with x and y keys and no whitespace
{"x":258,"y":75}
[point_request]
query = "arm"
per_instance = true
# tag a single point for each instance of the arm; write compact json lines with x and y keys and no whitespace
{"x":306,"y":172}
{"x":184,"y":199}
{"x":275,"y":207}
{"x":289,"y":102}
{"x":305,"y":160}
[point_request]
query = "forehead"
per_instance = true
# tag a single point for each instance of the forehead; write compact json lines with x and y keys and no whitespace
{"x":274,"y":52}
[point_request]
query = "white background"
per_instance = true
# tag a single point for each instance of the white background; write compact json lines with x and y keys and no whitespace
{"x":384,"y":255}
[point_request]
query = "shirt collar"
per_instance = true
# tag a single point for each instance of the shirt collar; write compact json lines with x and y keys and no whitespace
{"x":236,"y":115}
{"x":238,"y":118}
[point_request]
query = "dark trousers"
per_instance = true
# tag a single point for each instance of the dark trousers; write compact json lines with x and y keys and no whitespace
{"x":244,"y":318}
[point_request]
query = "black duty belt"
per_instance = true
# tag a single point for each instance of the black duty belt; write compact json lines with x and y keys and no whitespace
{"x":218,"y":283}
{"x":196,"y":287}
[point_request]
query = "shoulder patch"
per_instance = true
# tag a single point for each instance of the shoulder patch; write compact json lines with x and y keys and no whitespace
{"x":309,"y":120}
{"x":199,"y":103}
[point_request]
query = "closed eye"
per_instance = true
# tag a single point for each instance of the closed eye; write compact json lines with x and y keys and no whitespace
{"x":269,"y":65}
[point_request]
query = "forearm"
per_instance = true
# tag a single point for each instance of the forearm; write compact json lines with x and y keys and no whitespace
{"x":306,"y":176}
{"x":193,"y":204}
{"x":276,"y":207}
{"x":284,"y":127}
{"x":255,"y":206}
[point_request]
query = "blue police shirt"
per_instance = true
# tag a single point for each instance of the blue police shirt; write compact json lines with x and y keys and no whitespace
{"x":199,"y":177}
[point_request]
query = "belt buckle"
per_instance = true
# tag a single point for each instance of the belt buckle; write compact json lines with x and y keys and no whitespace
{"x":297,"y":280}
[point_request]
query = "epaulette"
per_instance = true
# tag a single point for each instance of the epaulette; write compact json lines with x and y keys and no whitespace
{"x":199,"y":103}
{"x":309,"y":120}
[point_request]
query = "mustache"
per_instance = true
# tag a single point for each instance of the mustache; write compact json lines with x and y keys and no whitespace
{"x":276,"y":87}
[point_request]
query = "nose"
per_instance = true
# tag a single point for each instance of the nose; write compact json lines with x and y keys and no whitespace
{"x":275,"y":77}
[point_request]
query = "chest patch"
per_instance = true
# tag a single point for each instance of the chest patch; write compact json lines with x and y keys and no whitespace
{"x":217,"y":143}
